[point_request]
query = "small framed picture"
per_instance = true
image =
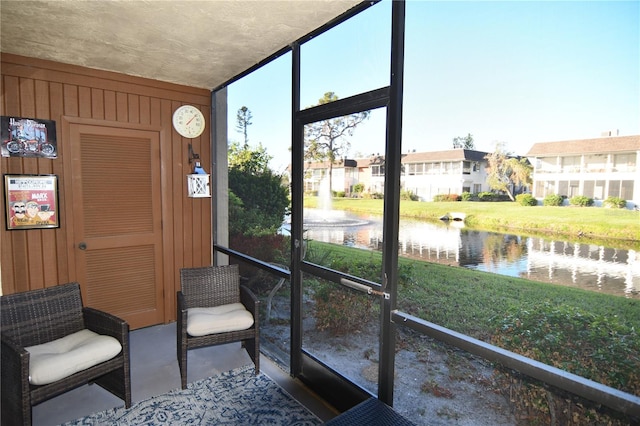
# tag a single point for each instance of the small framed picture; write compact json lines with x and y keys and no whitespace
{"x":28,"y":137}
{"x":31,"y":201}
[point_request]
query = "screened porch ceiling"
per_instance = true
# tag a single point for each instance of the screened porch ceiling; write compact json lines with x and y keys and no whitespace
{"x":195,"y":43}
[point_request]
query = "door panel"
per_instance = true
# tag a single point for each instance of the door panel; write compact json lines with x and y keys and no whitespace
{"x":117,"y":222}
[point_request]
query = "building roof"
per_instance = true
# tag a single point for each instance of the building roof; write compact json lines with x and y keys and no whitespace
{"x":586,"y":146}
{"x":448,"y":155}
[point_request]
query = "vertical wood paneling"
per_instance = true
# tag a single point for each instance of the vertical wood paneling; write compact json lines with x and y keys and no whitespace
{"x":133,"y":106}
{"x":56,"y":102}
{"x":14,"y":252}
{"x":36,"y":258}
{"x":155,"y":113}
{"x":30,"y":166}
{"x":70,"y":99}
{"x":84,"y":102}
{"x":145,"y":111}
{"x":45,"y":166}
{"x":109,"y":105}
{"x":97,"y":104}
{"x":121,"y":107}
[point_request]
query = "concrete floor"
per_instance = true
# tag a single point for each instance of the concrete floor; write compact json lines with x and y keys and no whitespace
{"x":154,"y":371}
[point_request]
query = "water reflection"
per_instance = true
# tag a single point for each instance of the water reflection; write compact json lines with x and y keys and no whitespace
{"x":597,"y":268}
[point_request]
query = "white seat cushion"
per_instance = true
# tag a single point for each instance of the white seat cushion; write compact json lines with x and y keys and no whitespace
{"x":219,"y":319}
{"x":55,"y":360}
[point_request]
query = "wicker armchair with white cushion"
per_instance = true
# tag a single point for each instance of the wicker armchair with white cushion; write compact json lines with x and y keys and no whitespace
{"x":52,"y":344}
{"x":213,"y":308}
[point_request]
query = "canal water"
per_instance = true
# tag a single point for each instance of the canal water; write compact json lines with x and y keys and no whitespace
{"x":597,"y":268}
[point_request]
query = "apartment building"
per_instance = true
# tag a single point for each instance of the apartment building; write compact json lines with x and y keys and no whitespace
{"x":426,"y":174}
{"x":597,"y":168}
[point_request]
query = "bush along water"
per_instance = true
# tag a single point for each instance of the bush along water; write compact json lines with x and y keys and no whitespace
{"x":526,"y":200}
{"x":553,"y":200}
{"x":615,"y":203}
{"x":581,"y":201}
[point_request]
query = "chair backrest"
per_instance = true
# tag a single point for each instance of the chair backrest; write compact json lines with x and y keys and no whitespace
{"x":210,"y":285}
{"x":39,"y":316}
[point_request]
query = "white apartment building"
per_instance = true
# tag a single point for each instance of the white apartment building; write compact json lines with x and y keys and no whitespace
{"x":453,"y":171}
{"x":426,"y":174}
{"x":597,"y":168}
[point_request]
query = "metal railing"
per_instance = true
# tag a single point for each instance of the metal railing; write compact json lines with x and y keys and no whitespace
{"x":615,"y":399}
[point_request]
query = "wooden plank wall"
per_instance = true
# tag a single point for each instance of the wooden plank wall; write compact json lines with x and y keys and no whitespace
{"x":32,"y":259}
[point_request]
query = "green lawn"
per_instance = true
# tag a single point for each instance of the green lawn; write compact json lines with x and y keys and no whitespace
{"x":591,"y":334}
{"x":614,"y":227}
{"x":465,"y":300}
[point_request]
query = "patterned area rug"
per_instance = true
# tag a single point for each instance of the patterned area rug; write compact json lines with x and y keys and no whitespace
{"x":237,"y":397}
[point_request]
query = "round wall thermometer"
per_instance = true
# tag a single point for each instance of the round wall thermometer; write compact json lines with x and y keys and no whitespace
{"x":188,"y":121}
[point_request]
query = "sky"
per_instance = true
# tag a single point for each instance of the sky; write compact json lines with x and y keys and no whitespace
{"x":508,"y":72}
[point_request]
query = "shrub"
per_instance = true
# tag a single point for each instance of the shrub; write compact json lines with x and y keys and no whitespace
{"x":615,"y":203}
{"x":358,"y":188}
{"x":466,"y":196}
{"x":446,"y":197}
{"x":407,"y":195}
{"x":340,"y":310}
{"x":581,"y":201}
{"x":486,"y":196}
{"x":339,"y":194}
{"x":600,"y":348}
{"x":526,"y":200}
{"x":264,"y":201}
{"x":268,"y":248}
{"x":553,"y":200}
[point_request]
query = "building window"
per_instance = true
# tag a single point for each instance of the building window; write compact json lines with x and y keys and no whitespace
{"x":621,"y":188}
{"x":626,"y":189}
{"x":595,"y":163}
{"x":594,"y":189}
{"x":415,"y":168}
{"x":466,"y":167}
{"x":377,"y":170}
{"x":571,"y":164}
{"x":563,"y":188}
{"x":587,"y":191}
{"x":428,"y":168}
{"x":574,"y":188}
{"x":477,"y":188}
{"x":624,"y":162}
{"x":546,"y":165}
{"x":549,"y":188}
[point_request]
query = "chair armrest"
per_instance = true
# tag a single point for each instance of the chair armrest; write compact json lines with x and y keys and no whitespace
{"x":181,"y":314}
{"x":249,"y":300}
{"x":14,"y":379}
{"x":106,"y":324}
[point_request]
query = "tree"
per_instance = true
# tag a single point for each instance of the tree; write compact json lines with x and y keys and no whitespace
{"x":258,"y":201}
{"x":464,"y":142}
{"x":243,"y":119}
{"x":506,"y":171}
{"x":253,"y":161}
{"x":327,"y":139}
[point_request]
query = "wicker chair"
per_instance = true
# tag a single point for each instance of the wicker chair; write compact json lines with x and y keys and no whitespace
{"x":211,"y":287}
{"x":40,"y":316}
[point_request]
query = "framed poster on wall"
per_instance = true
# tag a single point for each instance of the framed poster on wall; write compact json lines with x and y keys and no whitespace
{"x":28,"y":137}
{"x":31,"y":201}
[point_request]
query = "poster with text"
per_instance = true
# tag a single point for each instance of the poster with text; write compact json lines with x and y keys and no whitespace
{"x":31,"y":201}
{"x":28,"y":137}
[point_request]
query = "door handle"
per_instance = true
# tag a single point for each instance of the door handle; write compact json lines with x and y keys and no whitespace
{"x":82,"y":246}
